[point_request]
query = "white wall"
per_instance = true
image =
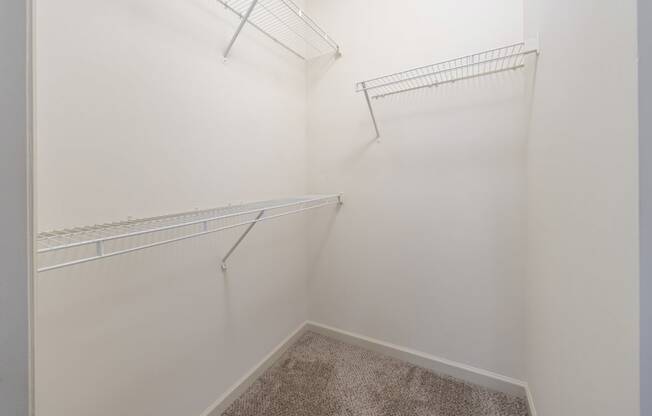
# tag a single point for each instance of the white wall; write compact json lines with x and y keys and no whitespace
{"x":645,"y":175}
{"x":135,"y":104}
{"x":138,"y":116}
{"x":583,"y":210}
{"x":428,"y":251}
{"x":15,"y":221}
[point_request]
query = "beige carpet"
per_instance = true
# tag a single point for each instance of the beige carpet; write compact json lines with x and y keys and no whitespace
{"x":319,"y":376}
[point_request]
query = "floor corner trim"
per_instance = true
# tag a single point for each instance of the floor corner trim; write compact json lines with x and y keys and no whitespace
{"x":530,"y":400}
{"x":221,"y":404}
{"x":488,"y":379}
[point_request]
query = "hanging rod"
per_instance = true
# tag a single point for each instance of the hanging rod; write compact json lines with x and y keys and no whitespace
{"x":285,"y":23}
{"x":484,"y":63}
{"x":57,"y":249}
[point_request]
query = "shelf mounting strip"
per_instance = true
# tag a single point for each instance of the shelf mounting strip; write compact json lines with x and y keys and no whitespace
{"x":66,"y":248}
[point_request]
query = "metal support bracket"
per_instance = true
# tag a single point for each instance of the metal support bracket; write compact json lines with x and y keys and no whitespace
{"x":242,"y":237}
{"x":244,"y":20}
{"x":371,"y":110}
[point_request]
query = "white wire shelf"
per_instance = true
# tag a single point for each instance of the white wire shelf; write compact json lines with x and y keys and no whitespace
{"x":489,"y":62}
{"x":65,"y":248}
{"x":285,"y":23}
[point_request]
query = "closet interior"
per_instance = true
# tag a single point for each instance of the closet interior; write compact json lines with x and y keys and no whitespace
{"x":239,"y":215}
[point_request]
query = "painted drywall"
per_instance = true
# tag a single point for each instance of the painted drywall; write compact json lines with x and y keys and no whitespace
{"x":14,"y":221}
{"x":429,"y":249}
{"x":645,"y":176}
{"x":141,"y":108}
{"x":139,"y":116}
{"x":583,"y":315}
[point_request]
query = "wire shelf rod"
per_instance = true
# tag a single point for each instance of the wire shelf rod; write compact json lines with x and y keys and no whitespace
{"x":493,"y":61}
{"x":448,"y":70}
{"x":283,"y":22}
{"x":173,"y":226}
{"x":270,"y":36}
{"x":446,"y":82}
{"x":330,"y":200}
{"x":450,"y":61}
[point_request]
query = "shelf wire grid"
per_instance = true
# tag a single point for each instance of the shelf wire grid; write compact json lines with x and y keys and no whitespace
{"x":484,"y":63}
{"x":57,"y":249}
{"x":287,"y":24}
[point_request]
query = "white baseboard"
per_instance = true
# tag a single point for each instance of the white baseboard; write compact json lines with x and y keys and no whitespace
{"x":488,"y":379}
{"x":221,"y":404}
{"x":530,"y":401}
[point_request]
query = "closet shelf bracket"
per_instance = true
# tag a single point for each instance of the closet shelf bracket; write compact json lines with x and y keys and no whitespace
{"x":242,"y":237}
{"x":243,"y":20}
{"x":371,"y":110}
{"x":480,"y":64}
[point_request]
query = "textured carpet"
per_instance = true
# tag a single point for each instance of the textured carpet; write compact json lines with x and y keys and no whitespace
{"x":319,"y":376}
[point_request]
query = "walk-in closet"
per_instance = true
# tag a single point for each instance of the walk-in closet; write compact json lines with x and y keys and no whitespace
{"x":325,"y":208}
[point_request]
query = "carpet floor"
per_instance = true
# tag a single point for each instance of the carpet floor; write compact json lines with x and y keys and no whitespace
{"x":319,"y":376}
